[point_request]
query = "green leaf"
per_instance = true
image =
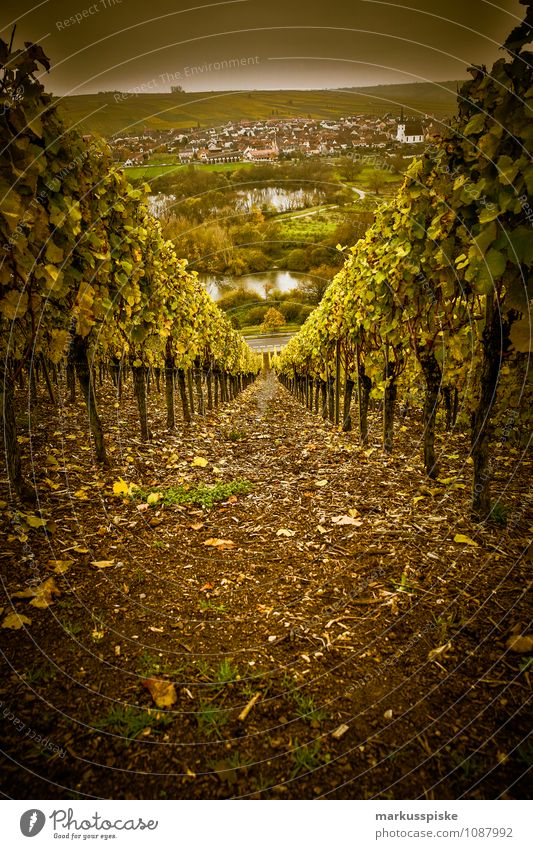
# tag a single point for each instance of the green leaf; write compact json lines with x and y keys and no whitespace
{"x":475,"y":125}
{"x":521,"y":336}
{"x":14,"y":304}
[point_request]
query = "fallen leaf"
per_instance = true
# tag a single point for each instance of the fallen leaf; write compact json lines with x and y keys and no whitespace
{"x":120,"y":487}
{"x":322,"y":482}
{"x":346,"y":520}
{"x":35,"y":521}
{"x":520,"y":643}
{"x":199,"y":461}
{"x":15,"y":621}
{"x":163,"y":692}
{"x":153,"y":498}
{"x":439,"y":651}
{"x":206,"y":586}
{"x":44,"y":594}
{"x":197,"y":526}
{"x":461,"y":538}
{"x":221,"y":544}
{"x":29,"y":593}
{"x":51,"y":484}
{"x":285,"y":532}
{"x":60,"y":566}
{"x":102,"y":564}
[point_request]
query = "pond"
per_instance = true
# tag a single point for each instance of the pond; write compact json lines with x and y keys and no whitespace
{"x":245,"y":200}
{"x":282,"y":200}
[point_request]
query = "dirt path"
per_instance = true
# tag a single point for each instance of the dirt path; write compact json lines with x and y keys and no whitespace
{"x":368,"y":646}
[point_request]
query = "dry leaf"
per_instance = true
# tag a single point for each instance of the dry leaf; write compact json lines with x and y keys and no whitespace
{"x":322,"y":482}
{"x":29,"y":593}
{"x":102,"y":564}
{"x":220,"y":544}
{"x":439,"y":651}
{"x":197,"y":526}
{"x":162,"y":692}
{"x":464,"y":539}
{"x":15,"y":621}
{"x":346,"y":520}
{"x":120,"y":487}
{"x":34,"y":521}
{"x":340,"y":731}
{"x":520,"y":643}
{"x":199,"y":461}
{"x":44,"y":594}
{"x":285,"y":532}
{"x":60,"y":566}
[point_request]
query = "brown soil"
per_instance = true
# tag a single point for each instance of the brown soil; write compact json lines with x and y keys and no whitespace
{"x":327,"y":624}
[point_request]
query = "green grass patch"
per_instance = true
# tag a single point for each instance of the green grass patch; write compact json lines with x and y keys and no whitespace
{"x":128,"y":722}
{"x":200,"y":495}
{"x":307,"y":758}
{"x":150,"y":172}
{"x":211,"y":720}
{"x":149,"y":665}
{"x":307,"y":709}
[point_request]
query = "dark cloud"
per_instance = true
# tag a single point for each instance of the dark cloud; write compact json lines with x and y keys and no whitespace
{"x":246,"y":44}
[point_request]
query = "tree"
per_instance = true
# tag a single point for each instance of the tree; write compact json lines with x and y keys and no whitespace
{"x":376,"y":181}
{"x":272,"y":320}
{"x":349,"y":168}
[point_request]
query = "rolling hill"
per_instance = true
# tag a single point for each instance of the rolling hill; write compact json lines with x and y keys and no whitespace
{"x":110,"y":113}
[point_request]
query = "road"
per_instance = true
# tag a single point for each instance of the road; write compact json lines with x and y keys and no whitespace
{"x":268,"y":342}
{"x":361,"y":194}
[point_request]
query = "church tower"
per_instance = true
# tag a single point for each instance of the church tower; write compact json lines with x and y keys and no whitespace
{"x":400,"y":130}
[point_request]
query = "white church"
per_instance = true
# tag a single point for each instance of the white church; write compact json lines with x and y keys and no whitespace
{"x":409,"y":132}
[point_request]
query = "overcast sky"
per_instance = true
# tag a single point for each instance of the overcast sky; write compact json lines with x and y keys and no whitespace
{"x":272,"y":44}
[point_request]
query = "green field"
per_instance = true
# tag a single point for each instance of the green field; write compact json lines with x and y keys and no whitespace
{"x":255,"y":330}
{"x":151,"y":170}
{"x":100,"y":113}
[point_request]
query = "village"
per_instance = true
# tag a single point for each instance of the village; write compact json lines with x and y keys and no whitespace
{"x":277,"y":138}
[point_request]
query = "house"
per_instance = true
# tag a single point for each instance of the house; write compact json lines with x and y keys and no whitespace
{"x":254,"y":154}
{"x":409,"y":131}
